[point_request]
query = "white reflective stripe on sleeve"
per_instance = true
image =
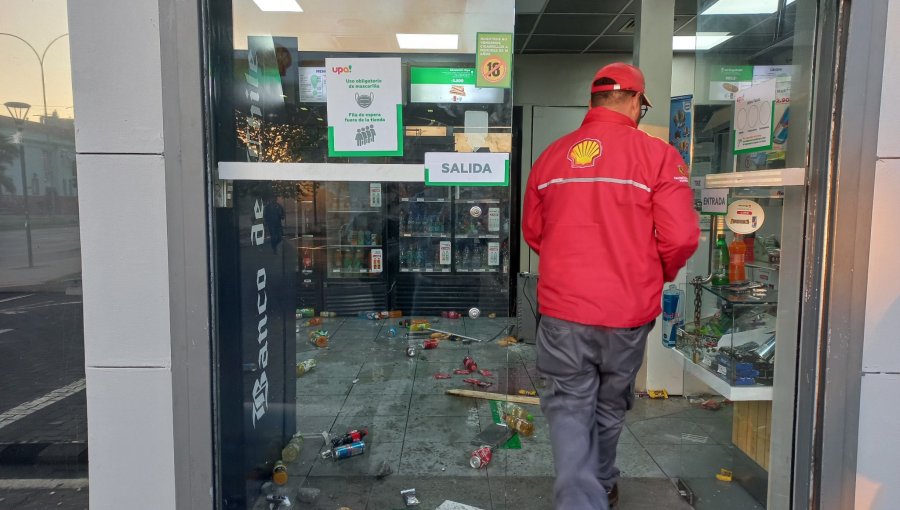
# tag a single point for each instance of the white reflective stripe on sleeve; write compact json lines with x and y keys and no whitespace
{"x":628,"y":182}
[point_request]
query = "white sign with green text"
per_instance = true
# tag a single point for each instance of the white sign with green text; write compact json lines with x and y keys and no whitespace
{"x":365,"y":107}
{"x":467,"y":168}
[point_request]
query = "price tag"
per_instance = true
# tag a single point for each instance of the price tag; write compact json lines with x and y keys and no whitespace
{"x":493,"y":254}
{"x":445,"y":253}
{"x":493,"y":219}
{"x":375,"y":194}
{"x":375,"y":260}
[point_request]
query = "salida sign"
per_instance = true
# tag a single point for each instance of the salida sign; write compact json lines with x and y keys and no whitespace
{"x":467,"y":168}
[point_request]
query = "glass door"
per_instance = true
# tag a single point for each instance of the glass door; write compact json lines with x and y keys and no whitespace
{"x":750,"y":136}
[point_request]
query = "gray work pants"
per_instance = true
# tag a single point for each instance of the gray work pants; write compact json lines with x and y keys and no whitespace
{"x":590,"y":372}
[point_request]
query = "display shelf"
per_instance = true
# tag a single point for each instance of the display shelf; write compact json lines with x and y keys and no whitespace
{"x":733,"y":393}
{"x":307,"y":271}
{"x":443,"y":235}
{"x":478,"y":236}
{"x":424,"y":270}
{"x":725,"y":293}
{"x":354,"y":246}
{"x":480,"y":270}
{"x":356,"y":211}
{"x":354,"y":271}
{"x":762,"y":265}
{"x":425,"y":200}
{"x":479,"y":201}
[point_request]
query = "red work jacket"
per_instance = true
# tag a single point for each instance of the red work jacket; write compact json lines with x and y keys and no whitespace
{"x":610,"y":212}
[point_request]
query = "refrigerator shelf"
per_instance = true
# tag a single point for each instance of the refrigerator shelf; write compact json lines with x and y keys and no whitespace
{"x":360,"y":211}
{"x":354,"y":246}
{"x":424,"y":270}
{"x":425,"y":200}
{"x":479,"y":201}
{"x":354,"y":271}
{"x":478,"y":236}
{"x":442,"y":235}
{"x":478,"y":270}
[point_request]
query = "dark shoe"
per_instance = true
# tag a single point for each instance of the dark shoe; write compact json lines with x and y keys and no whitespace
{"x":613,"y":495}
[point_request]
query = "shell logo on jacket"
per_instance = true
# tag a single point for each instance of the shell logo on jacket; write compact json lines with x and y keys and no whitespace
{"x":585,"y":152}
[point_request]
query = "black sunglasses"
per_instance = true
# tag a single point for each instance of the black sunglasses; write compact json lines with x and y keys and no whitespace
{"x":644,"y":108}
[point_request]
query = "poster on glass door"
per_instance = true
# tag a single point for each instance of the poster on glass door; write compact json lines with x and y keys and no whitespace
{"x":364,"y":98}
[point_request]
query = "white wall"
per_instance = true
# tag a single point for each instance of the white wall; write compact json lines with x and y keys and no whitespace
{"x":878,"y":480}
{"x":122,"y":204}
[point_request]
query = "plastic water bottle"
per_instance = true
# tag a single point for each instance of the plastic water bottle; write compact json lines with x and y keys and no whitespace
{"x":673,"y":314}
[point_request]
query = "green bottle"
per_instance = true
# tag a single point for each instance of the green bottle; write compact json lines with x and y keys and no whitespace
{"x":720,"y":262}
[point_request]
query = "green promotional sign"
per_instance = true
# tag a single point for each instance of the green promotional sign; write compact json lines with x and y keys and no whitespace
{"x":732,"y":73}
{"x":493,"y":59}
{"x":442,"y":76}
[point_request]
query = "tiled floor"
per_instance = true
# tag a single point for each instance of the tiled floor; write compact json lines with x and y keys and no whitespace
{"x":364,"y":379}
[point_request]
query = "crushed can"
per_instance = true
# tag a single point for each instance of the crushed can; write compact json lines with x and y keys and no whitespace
{"x":305,"y":312}
{"x":441,"y":375}
{"x":481,"y":457}
{"x":430,"y":344}
{"x":477,"y":382}
{"x":392,"y":332}
{"x":470,"y":364}
{"x":411,"y":351}
{"x":462,"y":371}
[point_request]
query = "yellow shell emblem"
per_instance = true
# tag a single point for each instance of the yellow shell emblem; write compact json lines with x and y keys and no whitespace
{"x":584,"y":153}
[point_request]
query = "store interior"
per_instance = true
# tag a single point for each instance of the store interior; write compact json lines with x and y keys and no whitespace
{"x":383,"y":290}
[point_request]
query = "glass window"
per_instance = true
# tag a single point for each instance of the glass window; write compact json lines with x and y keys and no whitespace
{"x":43,"y":424}
{"x":352,"y":281}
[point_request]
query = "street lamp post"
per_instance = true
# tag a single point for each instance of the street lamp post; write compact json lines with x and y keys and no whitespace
{"x":19,"y":112}
{"x":40,"y":57}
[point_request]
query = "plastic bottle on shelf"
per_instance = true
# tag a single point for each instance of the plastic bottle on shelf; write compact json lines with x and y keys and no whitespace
{"x":466,"y":259}
{"x":402,"y":221}
{"x":420,"y":257}
{"x":737,"y":252}
{"x":338,"y":259}
{"x":348,"y":260}
{"x":523,"y":426}
{"x":720,"y":262}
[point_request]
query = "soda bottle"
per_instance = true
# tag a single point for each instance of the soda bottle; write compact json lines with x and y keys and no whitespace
{"x":402,"y":222}
{"x":466,"y":259}
{"x":292,"y":450}
{"x":523,"y":426}
{"x":750,"y":241}
{"x":720,"y":262}
{"x":673,"y":314}
{"x":338,"y":259}
{"x":737,"y":252}
{"x":279,"y":473}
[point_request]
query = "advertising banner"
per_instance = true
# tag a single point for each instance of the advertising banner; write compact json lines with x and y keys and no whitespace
{"x":493,"y":59}
{"x":365,"y":107}
{"x":681,"y":126}
{"x":449,"y":85}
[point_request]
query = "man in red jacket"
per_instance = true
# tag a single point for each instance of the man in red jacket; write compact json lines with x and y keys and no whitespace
{"x":610,"y":212}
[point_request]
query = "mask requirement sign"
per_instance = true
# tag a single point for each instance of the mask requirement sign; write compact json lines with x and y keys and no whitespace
{"x":364,"y":97}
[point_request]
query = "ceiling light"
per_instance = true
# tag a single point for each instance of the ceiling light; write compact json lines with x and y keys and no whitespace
{"x":278,"y":5}
{"x":742,"y":7}
{"x":428,"y":41}
{"x":702,"y":41}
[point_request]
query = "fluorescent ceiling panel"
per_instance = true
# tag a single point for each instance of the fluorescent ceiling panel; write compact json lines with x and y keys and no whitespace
{"x":742,"y":7}
{"x":428,"y":41}
{"x":702,"y":41}
{"x":278,"y":5}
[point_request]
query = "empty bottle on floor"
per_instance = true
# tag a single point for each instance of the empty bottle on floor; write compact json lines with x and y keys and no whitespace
{"x":510,"y":409}
{"x":346,"y":451}
{"x":292,"y":450}
{"x":523,"y":426}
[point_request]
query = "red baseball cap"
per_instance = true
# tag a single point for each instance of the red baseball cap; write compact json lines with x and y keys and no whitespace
{"x":626,"y":77}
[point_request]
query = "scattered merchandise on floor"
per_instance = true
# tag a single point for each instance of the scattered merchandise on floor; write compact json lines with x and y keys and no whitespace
{"x":398,"y":417}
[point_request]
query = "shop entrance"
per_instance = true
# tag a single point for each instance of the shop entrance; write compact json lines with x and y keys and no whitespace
{"x":370,"y":160}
